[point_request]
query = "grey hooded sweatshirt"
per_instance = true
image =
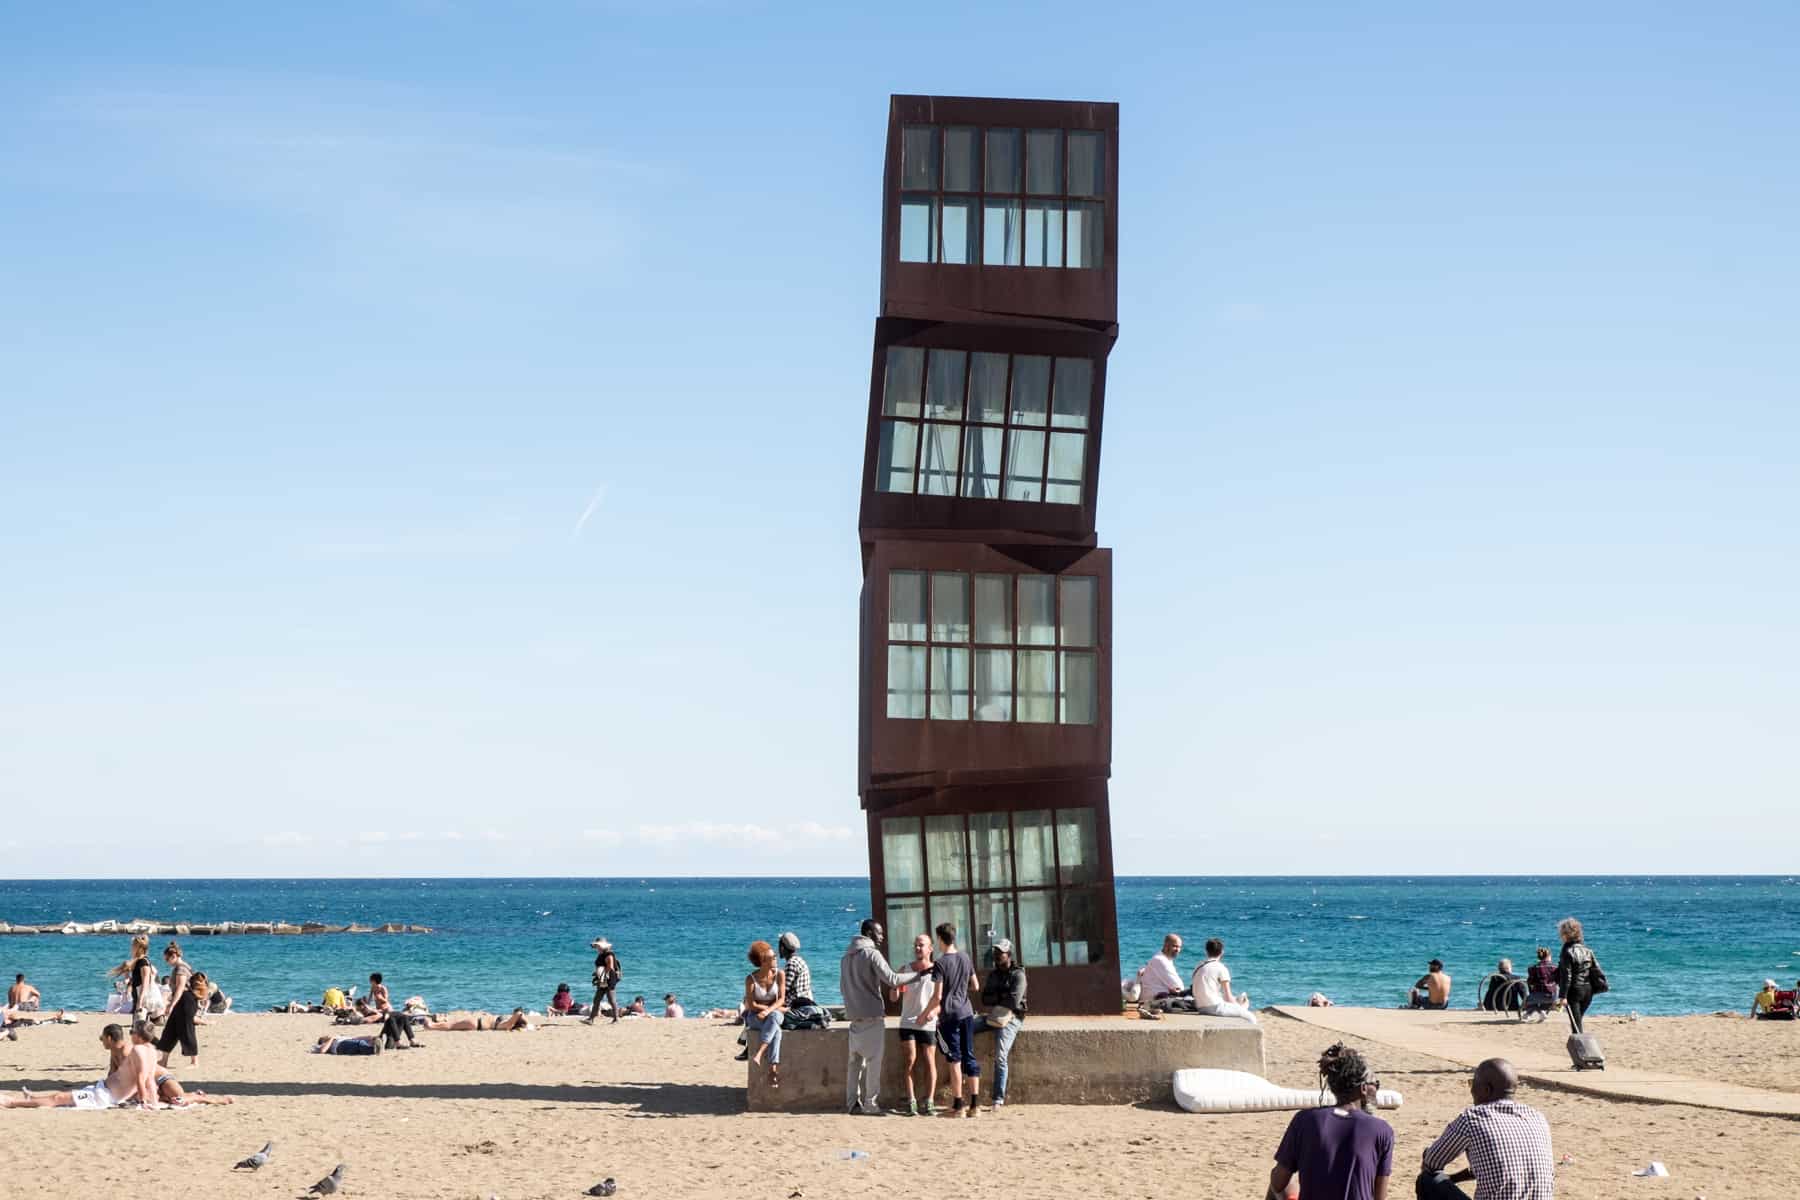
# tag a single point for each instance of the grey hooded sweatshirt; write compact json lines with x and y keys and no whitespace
{"x":862,"y":974}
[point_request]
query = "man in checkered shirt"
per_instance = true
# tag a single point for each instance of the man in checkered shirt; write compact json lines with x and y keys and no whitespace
{"x":1508,"y":1145}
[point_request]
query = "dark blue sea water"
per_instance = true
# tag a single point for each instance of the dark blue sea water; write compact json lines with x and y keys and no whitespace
{"x":1669,"y":944}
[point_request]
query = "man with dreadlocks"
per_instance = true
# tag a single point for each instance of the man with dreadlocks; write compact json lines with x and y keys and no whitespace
{"x":1343,"y":1152}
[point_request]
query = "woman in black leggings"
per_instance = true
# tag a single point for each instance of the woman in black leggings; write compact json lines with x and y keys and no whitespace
{"x":1575,"y":971}
{"x":606,"y":978}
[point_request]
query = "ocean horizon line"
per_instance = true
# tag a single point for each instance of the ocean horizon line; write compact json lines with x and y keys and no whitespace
{"x":1589,"y":876}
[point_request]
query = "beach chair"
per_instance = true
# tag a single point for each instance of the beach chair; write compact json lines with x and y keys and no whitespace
{"x":1508,"y":998}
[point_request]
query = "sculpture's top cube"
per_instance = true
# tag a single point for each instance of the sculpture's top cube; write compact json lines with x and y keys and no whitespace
{"x":1001,"y":210}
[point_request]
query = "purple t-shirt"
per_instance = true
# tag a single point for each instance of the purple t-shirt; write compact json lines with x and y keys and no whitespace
{"x":1338,"y":1156}
{"x":956,"y":970}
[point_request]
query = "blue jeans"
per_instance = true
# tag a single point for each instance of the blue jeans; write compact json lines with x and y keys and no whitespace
{"x":1004,"y":1037}
{"x":768,"y":1029}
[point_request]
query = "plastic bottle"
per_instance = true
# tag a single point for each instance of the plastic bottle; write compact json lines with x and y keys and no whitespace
{"x":853,"y":1155}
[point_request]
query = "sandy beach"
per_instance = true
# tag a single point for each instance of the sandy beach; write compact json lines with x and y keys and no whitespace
{"x":658,"y":1105}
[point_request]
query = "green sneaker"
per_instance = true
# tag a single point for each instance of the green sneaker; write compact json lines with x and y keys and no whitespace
{"x":912,"y":1108}
{"x":931,"y":1108}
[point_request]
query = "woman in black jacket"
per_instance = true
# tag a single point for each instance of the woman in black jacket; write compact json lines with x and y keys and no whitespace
{"x":1575,"y":971}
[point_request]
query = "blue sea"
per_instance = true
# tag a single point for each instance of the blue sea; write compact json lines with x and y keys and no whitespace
{"x":1669,"y":944}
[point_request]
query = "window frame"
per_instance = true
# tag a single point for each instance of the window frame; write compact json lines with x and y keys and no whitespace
{"x":1060,"y":201}
{"x":1057,"y":647}
{"x":890,"y":410}
{"x":928,"y":897}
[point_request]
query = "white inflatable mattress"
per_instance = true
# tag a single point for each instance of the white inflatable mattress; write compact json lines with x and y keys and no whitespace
{"x":1206,"y":1090}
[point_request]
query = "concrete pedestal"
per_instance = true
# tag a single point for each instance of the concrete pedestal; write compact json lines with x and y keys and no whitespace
{"x":1056,"y":1060}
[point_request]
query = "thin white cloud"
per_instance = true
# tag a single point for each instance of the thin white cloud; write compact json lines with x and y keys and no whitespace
{"x":287,"y":838}
{"x":373,"y":837}
{"x":491,"y":835}
{"x":746,"y":836}
{"x":450,"y":835}
{"x":593,"y":506}
{"x":604,"y":837}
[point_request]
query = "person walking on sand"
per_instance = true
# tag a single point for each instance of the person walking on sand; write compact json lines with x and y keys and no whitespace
{"x":1578,"y":972}
{"x":1212,"y":987}
{"x":1344,"y":1152}
{"x":179,"y":971}
{"x":606,"y":979}
{"x":1507,"y":1143}
{"x":1433,"y":988}
{"x":919,"y":1003}
{"x":865,"y":978}
{"x":140,"y":979}
{"x":179,"y":1028}
{"x":765,"y":1000}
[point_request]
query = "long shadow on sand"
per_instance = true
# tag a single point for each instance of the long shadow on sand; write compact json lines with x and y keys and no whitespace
{"x":642,"y":1099}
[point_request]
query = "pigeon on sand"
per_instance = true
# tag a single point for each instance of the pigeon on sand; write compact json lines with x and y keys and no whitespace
{"x":329,"y":1185}
{"x":257,"y":1161}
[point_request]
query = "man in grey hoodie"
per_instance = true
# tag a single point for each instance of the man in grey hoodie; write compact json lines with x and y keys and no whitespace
{"x":865,"y":978}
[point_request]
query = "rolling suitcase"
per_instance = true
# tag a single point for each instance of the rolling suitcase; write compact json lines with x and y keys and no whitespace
{"x":1584,"y":1049}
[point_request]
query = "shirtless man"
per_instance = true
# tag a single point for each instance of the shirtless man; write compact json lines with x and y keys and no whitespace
{"x":22,"y":996}
{"x":132,"y":1078}
{"x":1433,"y":989}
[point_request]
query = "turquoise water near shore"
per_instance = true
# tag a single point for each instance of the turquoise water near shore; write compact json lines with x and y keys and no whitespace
{"x":1669,"y":944}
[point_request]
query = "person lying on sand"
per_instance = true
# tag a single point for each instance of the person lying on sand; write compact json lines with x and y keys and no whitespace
{"x":346,"y":1045}
{"x":31,"y":1016}
{"x":483,"y":1022}
{"x":133,"y":1078}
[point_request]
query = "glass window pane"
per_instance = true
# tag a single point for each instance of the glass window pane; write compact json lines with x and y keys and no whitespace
{"x":990,"y":850}
{"x":958,"y":244}
{"x":1032,"y":849}
{"x":962,"y":159}
{"x":1087,"y":163}
{"x":902,"y":855}
{"x":1030,"y":389}
{"x":944,"y":851}
{"x":900,"y":388}
{"x":1077,"y":854}
{"x":1037,"y":686}
{"x":949,"y":684}
{"x":993,"y":920}
{"x":1074,"y":392}
{"x":944,"y":384}
{"x":1025,"y":465}
{"x":949,"y":606}
{"x":993,"y":685}
{"x":1081,"y":938}
{"x":1037,"y":610}
{"x":1043,"y":162}
{"x":1078,"y":594}
{"x":1087,"y":233}
{"x":1067,"y":455}
{"x":906,"y":683}
{"x":993,"y":609}
{"x":987,"y":388}
{"x":918,"y":228}
{"x":981,"y":463}
{"x":906,"y":606}
{"x":1080,"y":690}
{"x":894,"y":457}
{"x":1043,"y":235}
{"x":954,"y":908}
{"x":1036,"y":916}
{"x":937,"y":459}
{"x":1002,"y":229}
{"x":918,"y":157}
{"x":1003,"y":160}
{"x":905,"y":920}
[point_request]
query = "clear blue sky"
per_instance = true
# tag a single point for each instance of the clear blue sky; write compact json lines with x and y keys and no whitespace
{"x":1450,"y":461}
